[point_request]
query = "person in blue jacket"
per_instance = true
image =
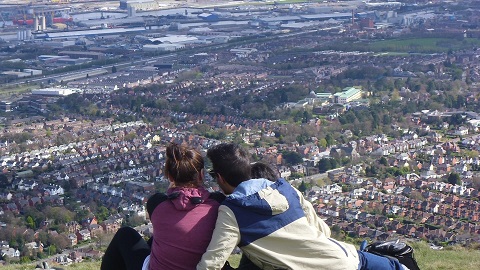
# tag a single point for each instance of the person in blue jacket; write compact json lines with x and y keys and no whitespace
{"x":273,"y":224}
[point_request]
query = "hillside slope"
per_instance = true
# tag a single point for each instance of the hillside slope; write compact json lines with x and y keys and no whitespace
{"x":455,"y":257}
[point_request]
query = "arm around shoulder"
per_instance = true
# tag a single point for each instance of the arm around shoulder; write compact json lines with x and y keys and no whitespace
{"x":225,"y":238}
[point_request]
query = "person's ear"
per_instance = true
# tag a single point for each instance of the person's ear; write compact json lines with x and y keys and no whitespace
{"x":172,"y":182}
{"x":201,"y":176}
{"x":220,"y":178}
{"x":224,"y":185}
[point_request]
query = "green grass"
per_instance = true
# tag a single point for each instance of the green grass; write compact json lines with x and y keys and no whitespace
{"x":15,"y":90}
{"x":456,"y":257}
{"x":86,"y":266}
{"x":406,"y":45}
{"x":90,"y":265}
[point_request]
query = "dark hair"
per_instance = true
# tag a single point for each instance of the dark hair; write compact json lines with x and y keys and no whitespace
{"x":262,"y":170}
{"x":231,"y":162}
{"x":183,"y":164}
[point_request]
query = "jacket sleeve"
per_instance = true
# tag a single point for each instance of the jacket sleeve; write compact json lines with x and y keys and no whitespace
{"x":312,"y":216}
{"x":225,"y":238}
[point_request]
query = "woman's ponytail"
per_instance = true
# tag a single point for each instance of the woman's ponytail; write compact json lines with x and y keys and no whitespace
{"x":183,"y":164}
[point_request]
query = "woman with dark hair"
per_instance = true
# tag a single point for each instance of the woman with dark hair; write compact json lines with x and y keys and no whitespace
{"x":262,"y":170}
{"x":183,"y":220}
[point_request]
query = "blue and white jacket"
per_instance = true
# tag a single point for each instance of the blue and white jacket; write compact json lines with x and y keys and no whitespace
{"x":276,"y":228}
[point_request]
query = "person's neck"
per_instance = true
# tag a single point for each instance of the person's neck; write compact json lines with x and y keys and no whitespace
{"x":189,"y":185}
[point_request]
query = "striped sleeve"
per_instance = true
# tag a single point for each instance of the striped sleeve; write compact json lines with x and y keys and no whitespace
{"x":312,"y":216}
{"x":225,"y":238}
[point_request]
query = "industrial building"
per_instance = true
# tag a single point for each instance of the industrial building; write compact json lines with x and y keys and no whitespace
{"x":82,"y":54}
{"x":55,"y":91}
{"x":25,"y":34}
{"x":24,"y":73}
{"x":162,"y":47}
{"x":139,"y":4}
{"x":89,"y":33}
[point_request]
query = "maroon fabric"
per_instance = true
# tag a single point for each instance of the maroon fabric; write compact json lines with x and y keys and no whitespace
{"x":182,"y":229}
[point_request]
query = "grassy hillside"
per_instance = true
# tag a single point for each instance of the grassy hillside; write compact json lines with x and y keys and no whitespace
{"x":457,"y":258}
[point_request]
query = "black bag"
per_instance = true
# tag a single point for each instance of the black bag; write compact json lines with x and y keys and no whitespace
{"x":227,"y":266}
{"x":394,"y":249}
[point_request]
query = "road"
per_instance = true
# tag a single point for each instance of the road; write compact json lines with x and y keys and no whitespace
{"x":47,"y":78}
{"x":129,"y":63}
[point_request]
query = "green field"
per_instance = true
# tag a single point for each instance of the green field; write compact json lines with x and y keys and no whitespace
{"x":425,"y":44}
{"x":406,"y":45}
{"x":457,"y":258}
{"x":6,"y":92}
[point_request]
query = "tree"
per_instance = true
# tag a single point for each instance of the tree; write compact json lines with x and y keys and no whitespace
{"x":333,"y":163}
{"x":61,"y":215}
{"x":102,"y":213}
{"x":306,"y":117}
{"x":52,"y":249}
{"x":383,"y":161}
{"x":453,"y":178}
{"x":395,"y":95}
{"x":386,"y":119}
{"x":25,"y":260}
{"x":322,"y":143}
{"x":198,"y":106}
{"x":135,"y":220}
{"x":296,"y":175}
{"x":202,"y":129}
{"x":292,"y":158}
{"x":303,"y":187}
{"x":60,"y":242}
{"x":4,"y":181}
{"x":82,"y":214}
{"x":330,"y":140}
{"x":30,"y":222}
{"x":324,"y":165}
{"x":301,"y":139}
{"x":371,"y":171}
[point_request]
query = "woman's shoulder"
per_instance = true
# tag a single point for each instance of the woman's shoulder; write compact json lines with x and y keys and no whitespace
{"x":154,"y":201}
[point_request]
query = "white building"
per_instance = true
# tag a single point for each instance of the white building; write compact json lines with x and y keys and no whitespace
{"x":162,"y":47}
{"x":347,"y":95}
{"x":55,"y":91}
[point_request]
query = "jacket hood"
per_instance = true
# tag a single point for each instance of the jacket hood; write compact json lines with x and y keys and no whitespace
{"x":185,"y":199}
{"x":260,"y":196}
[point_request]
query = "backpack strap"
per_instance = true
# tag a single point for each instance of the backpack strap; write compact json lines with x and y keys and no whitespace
{"x":158,"y":198}
{"x":155,"y":200}
{"x":217,"y":196}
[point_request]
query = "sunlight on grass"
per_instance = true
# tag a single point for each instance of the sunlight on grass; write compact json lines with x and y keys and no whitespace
{"x":457,"y":258}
